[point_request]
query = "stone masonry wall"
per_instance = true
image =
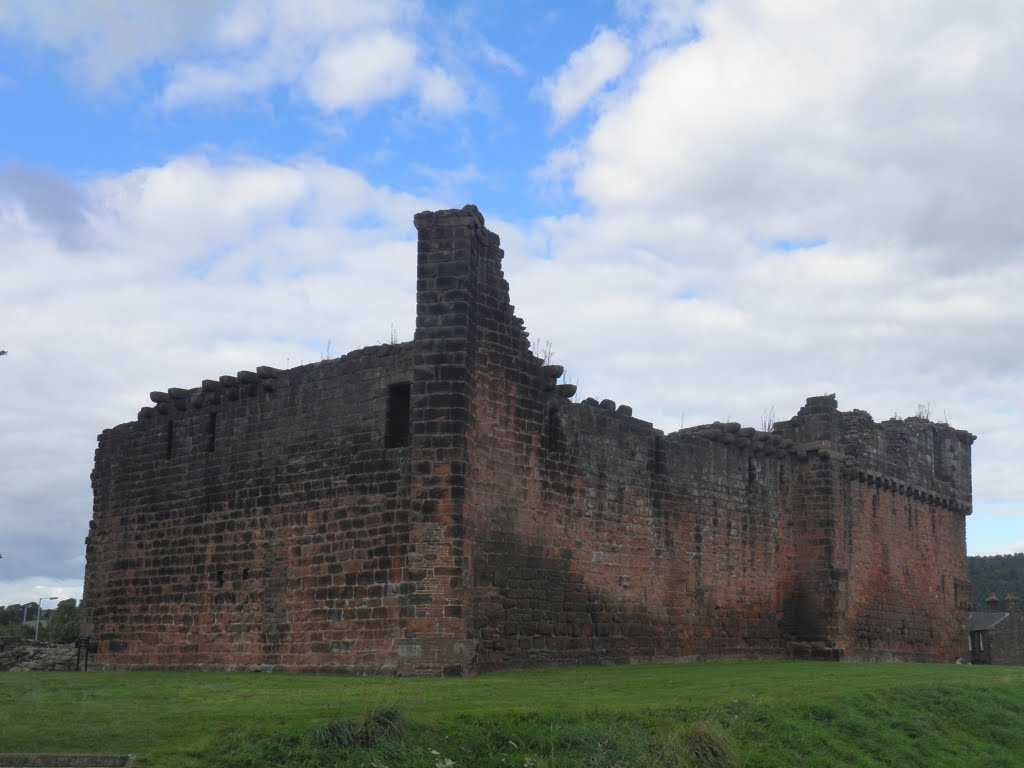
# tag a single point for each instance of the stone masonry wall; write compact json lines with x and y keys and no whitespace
{"x":897,"y":530}
{"x":602,"y":557}
{"x":442,"y":507}
{"x":434,"y":637}
{"x":594,"y":537}
{"x":256,"y":521}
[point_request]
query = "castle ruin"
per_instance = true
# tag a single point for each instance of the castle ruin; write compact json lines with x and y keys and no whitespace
{"x":441,"y":507}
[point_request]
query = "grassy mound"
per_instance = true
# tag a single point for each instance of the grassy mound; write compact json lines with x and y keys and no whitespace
{"x":720,"y":715}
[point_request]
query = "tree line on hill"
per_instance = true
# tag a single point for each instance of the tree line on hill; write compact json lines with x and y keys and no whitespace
{"x":995,"y":573}
{"x":56,"y":625}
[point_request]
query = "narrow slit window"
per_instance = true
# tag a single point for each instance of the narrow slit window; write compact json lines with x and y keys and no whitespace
{"x":170,"y":439}
{"x":554,"y":436}
{"x":211,"y":429}
{"x":398,"y":424}
{"x":659,"y":455}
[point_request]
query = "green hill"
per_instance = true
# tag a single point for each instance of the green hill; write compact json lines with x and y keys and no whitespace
{"x":752,"y":714}
{"x":995,"y":573}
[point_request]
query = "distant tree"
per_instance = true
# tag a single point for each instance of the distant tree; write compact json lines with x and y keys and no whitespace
{"x":16,"y":630}
{"x":3,"y":352}
{"x":63,"y":624}
{"x":12,"y":623}
{"x":10,"y":614}
{"x":995,"y":573}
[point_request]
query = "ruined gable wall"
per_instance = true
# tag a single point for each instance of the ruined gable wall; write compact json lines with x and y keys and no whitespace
{"x":434,"y":634}
{"x":258,"y":524}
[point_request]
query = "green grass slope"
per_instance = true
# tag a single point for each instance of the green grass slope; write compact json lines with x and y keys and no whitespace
{"x":765,"y":713}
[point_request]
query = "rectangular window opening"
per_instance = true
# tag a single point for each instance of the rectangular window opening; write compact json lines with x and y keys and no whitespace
{"x":398,"y":424}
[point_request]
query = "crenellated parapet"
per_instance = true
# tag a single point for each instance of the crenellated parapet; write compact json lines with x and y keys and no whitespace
{"x":923,"y":459}
{"x":733,"y":434}
{"x":604,"y":405}
{"x":902,"y":488}
{"x":212,"y":392}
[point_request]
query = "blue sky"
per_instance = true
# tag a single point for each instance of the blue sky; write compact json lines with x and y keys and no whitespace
{"x":711,"y":210}
{"x":512,"y":46}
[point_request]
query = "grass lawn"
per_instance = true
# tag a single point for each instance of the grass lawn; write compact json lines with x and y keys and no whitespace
{"x":772,"y":713}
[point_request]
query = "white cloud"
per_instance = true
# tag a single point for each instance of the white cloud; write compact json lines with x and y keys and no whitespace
{"x":440,"y":92}
{"x":179,"y":273}
{"x":558,"y":171}
{"x":849,"y":121}
{"x":107,"y":40}
{"x":341,"y":54}
{"x":1003,"y":549}
{"x":588,"y":70}
{"x":1011,"y":510}
{"x":501,"y":59}
{"x":354,"y":73}
{"x":29,"y":589}
{"x":884,"y":136}
{"x":662,"y":21}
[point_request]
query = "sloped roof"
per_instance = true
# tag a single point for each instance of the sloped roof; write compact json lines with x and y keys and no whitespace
{"x":980,"y":620}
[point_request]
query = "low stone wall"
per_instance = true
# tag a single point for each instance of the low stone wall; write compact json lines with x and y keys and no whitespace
{"x":19,"y":655}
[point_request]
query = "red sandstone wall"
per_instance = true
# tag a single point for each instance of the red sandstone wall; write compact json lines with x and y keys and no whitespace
{"x":592,"y":555}
{"x":515,"y":527}
{"x":434,"y":635}
{"x":904,"y":562}
{"x":280,"y":543}
{"x":591,"y":537}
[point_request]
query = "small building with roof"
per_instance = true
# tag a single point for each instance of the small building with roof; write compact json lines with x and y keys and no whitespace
{"x":997,"y":633}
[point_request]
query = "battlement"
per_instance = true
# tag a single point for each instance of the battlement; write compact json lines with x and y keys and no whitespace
{"x":232,"y":388}
{"x":915,"y":456}
{"x":213,"y":392}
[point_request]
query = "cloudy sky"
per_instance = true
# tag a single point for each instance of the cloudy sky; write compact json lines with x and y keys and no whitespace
{"x":711,"y":210}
